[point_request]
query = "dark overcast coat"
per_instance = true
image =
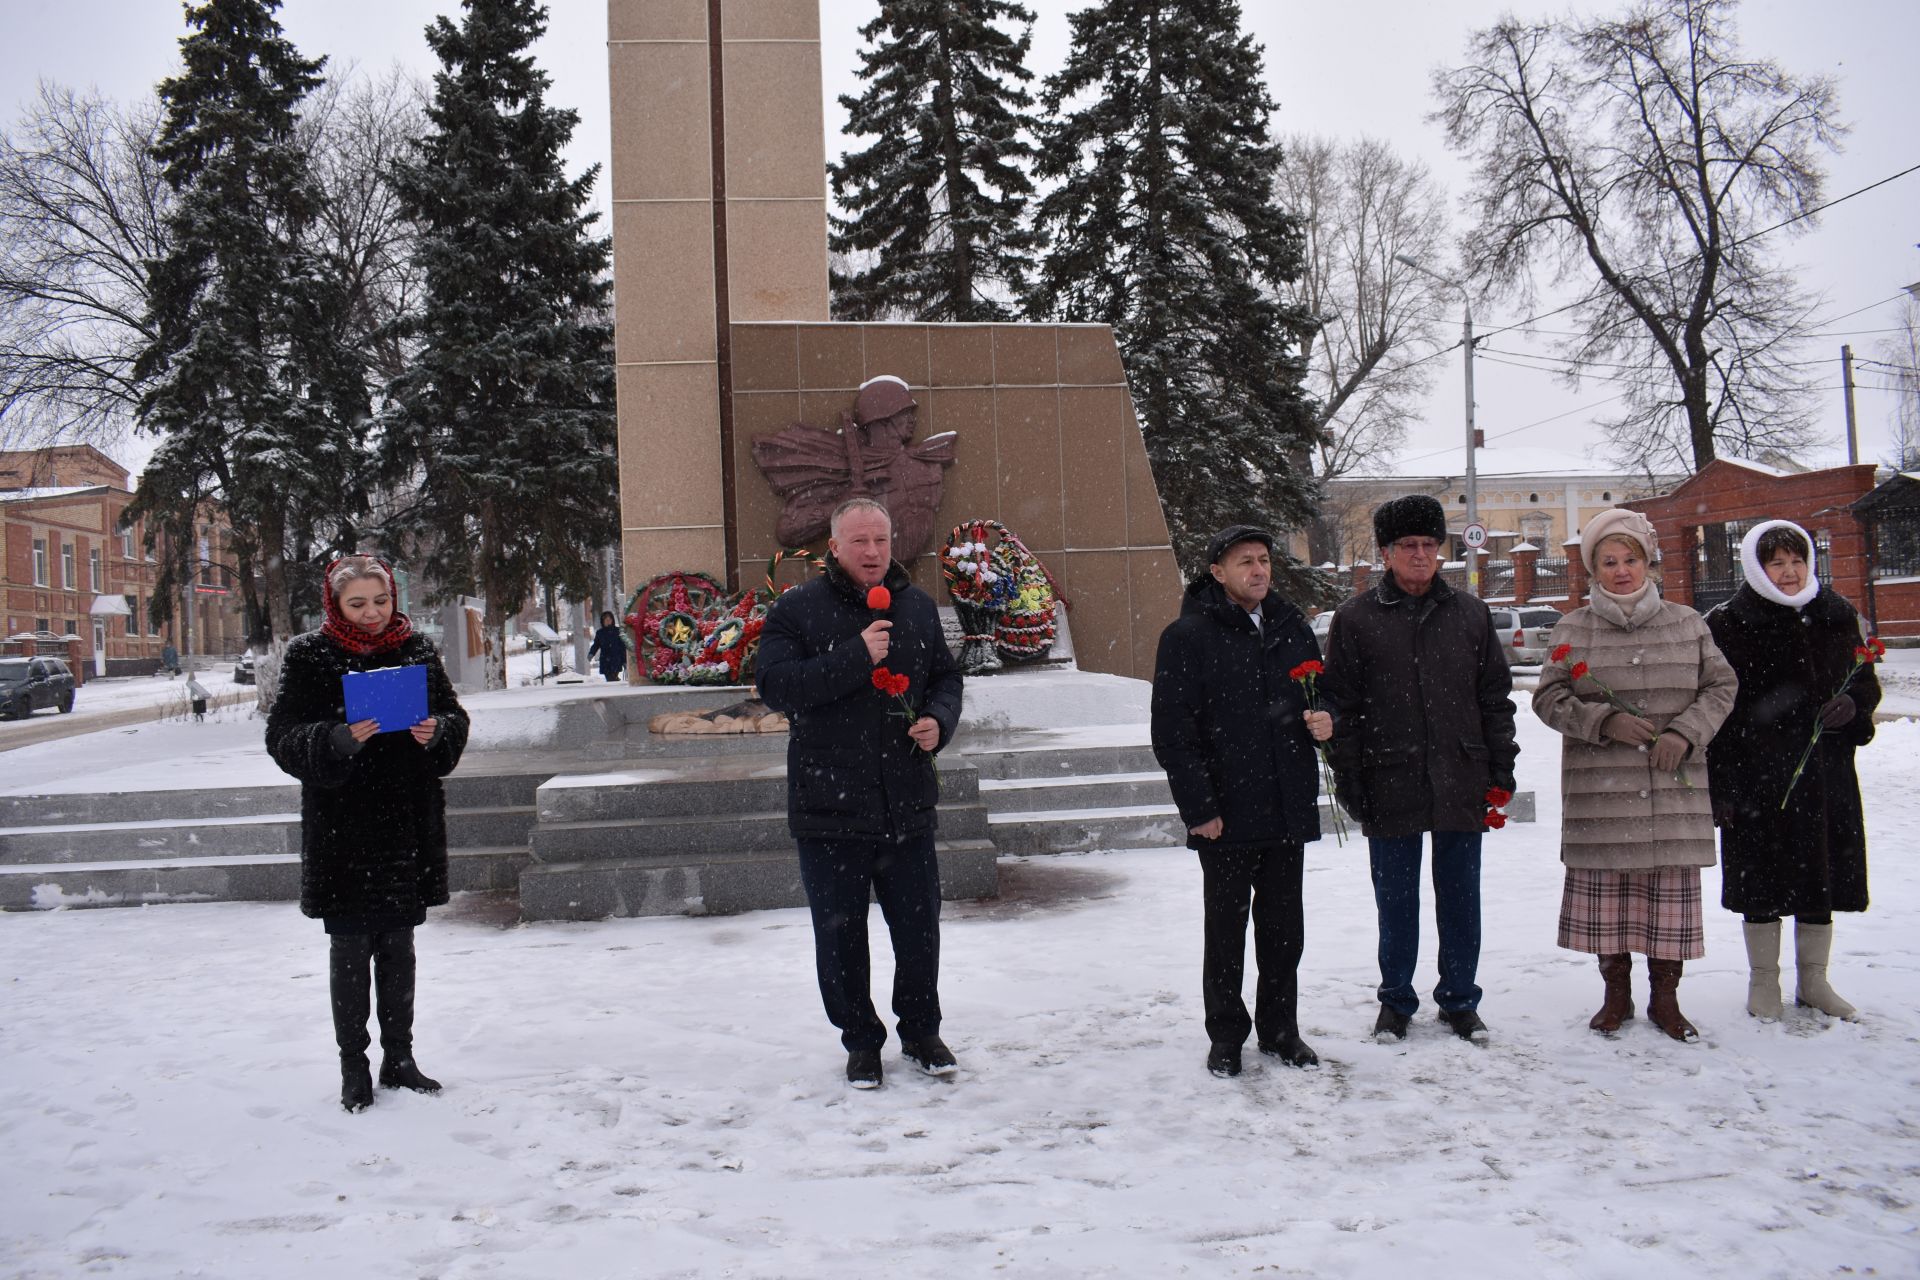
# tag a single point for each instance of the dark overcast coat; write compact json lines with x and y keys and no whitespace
{"x":1810,"y":856}
{"x":1422,"y":715}
{"x":373,"y":828}
{"x":852,"y":771}
{"x":1227,"y":723}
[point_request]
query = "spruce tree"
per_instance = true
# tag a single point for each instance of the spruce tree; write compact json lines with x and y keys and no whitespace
{"x":504,"y":417}
{"x":259,"y":404}
{"x":1162,"y":225}
{"x":936,"y":204}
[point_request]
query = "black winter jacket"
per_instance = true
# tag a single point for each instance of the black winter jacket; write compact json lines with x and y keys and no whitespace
{"x":1811,"y":855}
{"x":852,"y":771}
{"x":1227,"y":723}
{"x":373,"y":827}
{"x":1422,"y":709}
{"x":611,"y":645}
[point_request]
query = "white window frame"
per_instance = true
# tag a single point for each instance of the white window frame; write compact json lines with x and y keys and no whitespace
{"x":39,"y":562}
{"x":93,"y":569}
{"x":69,"y":571}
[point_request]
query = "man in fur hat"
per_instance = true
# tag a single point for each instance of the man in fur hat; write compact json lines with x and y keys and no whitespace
{"x":1422,"y":728}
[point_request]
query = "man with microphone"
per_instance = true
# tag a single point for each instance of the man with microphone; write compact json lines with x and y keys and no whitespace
{"x":857,"y":661}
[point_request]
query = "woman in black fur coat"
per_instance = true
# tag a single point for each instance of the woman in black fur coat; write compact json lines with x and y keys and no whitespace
{"x":1793,"y":643}
{"x":373,"y":831}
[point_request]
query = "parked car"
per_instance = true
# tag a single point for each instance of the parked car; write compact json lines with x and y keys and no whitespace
{"x":243,"y":668}
{"x":28,"y":684}
{"x":1524,"y":633}
{"x":1322,"y":625}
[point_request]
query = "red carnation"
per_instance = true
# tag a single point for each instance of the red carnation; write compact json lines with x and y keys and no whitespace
{"x":899,"y":685}
{"x":1498,"y":798}
{"x":1560,"y":653}
{"x":879,"y":599}
{"x":1313,"y":667}
{"x":1495,"y":820}
{"x":883,"y":679}
{"x":1300,"y":672}
{"x":1577,"y":670}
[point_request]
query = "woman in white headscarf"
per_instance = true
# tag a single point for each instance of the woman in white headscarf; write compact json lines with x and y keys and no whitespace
{"x":1791,"y":847}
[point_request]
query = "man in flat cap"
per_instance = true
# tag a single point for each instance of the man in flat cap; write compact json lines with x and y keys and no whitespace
{"x":1422,"y":729}
{"x":1233,"y":732}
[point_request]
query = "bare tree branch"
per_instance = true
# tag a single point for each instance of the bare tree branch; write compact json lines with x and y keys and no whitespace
{"x":1636,"y":157}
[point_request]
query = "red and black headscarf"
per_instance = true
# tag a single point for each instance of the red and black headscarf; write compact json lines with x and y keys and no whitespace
{"x":355,"y":639}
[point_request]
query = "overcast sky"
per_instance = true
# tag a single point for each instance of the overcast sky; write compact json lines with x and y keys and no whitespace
{"x":1343,"y":69}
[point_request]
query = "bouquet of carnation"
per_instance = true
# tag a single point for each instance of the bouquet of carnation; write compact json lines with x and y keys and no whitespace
{"x":1308,"y":675}
{"x":1864,"y":655}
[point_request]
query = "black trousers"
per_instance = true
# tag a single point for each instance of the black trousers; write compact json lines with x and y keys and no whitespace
{"x":840,"y":876}
{"x":389,"y":956}
{"x":1267,"y":877}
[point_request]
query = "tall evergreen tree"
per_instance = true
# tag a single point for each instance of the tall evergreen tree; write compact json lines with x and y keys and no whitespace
{"x":1162,"y":225}
{"x":259,"y":404}
{"x":504,"y":417}
{"x":936,"y":205}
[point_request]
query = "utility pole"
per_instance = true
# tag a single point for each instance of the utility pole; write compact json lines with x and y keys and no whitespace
{"x":1473,"y":435}
{"x":1846,"y":384}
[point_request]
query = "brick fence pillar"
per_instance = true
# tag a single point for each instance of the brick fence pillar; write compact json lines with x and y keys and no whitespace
{"x":1362,"y":577}
{"x":1576,"y":573}
{"x":1526,"y":559}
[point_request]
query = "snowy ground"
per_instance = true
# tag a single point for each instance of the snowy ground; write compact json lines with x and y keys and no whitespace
{"x":662,"y":1097}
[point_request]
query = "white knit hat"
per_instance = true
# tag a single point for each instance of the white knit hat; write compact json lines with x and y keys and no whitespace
{"x":1618,"y":520}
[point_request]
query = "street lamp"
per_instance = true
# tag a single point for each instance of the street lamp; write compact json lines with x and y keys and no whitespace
{"x":1473,"y":484}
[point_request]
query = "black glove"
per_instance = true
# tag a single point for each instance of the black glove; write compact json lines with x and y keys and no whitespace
{"x":1837,"y":713}
{"x":1503,"y":779}
{"x":343,"y":742}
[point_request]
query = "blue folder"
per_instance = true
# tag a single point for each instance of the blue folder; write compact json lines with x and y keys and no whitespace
{"x":395,"y":696}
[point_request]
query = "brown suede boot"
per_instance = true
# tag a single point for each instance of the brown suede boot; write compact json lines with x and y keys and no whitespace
{"x":1617,"y":972}
{"x":1663,"y":1000}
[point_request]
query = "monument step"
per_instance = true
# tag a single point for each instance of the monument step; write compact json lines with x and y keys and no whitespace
{"x":1020,"y":756}
{"x":703,"y":789}
{"x":701,"y":835}
{"x":480,"y":790}
{"x":1075,"y":791}
{"x":253,"y":878}
{"x":251,"y":836}
{"x":718,"y":885}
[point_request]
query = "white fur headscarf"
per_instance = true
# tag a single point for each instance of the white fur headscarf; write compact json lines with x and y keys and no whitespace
{"x":1757,"y":572}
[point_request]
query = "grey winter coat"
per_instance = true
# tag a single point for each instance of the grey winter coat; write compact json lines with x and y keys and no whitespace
{"x":1618,"y":812}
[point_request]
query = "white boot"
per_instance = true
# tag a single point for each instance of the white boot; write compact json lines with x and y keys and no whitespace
{"x":1763,"y":970}
{"x":1812,"y":943}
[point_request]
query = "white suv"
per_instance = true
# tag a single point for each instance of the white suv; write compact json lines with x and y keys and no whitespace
{"x":1524,"y":633}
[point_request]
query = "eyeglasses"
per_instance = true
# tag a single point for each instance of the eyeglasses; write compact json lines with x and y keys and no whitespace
{"x":1416,"y":547}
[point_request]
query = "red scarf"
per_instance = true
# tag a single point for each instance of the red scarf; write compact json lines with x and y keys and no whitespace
{"x":355,"y":639}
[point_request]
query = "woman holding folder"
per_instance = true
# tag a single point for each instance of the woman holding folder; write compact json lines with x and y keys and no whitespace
{"x":373,"y":834}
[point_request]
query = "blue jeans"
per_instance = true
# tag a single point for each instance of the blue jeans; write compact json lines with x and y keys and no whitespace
{"x":839,"y":877}
{"x":1456,"y":911}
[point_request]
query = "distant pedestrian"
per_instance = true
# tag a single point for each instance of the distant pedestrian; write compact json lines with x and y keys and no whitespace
{"x":1232,"y":729}
{"x":1636,"y":688}
{"x":611,"y":644}
{"x":857,"y":661}
{"x":373,"y":826}
{"x":1422,"y":730}
{"x":197,"y":694}
{"x":170,"y":660}
{"x":1791,"y":846}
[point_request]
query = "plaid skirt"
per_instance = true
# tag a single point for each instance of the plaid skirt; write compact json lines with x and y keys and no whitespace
{"x":1655,"y":912}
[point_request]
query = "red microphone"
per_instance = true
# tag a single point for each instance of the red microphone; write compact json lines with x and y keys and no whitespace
{"x":879,"y":599}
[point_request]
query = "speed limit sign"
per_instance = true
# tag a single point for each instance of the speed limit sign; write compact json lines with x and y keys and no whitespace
{"x":1475,"y":536}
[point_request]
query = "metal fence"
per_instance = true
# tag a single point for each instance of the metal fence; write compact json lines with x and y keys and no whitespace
{"x":1549,"y":578}
{"x":1896,"y":547}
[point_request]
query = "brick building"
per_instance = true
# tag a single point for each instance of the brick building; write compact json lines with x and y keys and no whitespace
{"x":70,"y":570}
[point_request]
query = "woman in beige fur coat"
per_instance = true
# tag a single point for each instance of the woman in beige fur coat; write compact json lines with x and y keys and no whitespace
{"x":1637,"y":689}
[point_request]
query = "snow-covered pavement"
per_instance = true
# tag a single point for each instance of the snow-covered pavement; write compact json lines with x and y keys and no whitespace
{"x":661,"y":1097}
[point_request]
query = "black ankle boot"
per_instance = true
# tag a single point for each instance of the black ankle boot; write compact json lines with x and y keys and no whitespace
{"x":404,"y":1073}
{"x":356,"y":1082}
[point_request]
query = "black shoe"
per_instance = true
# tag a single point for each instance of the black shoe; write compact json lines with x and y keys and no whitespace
{"x":863,"y":1068}
{"x":1224,"y":1060}
{"x":1292,"y":1050}
{"x":1390,"y":1024}
{"x":931,"y":1055}
{"x":1466,"y":1024}
{"x":404,"y":1073}
{"x":356,"y":1082}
